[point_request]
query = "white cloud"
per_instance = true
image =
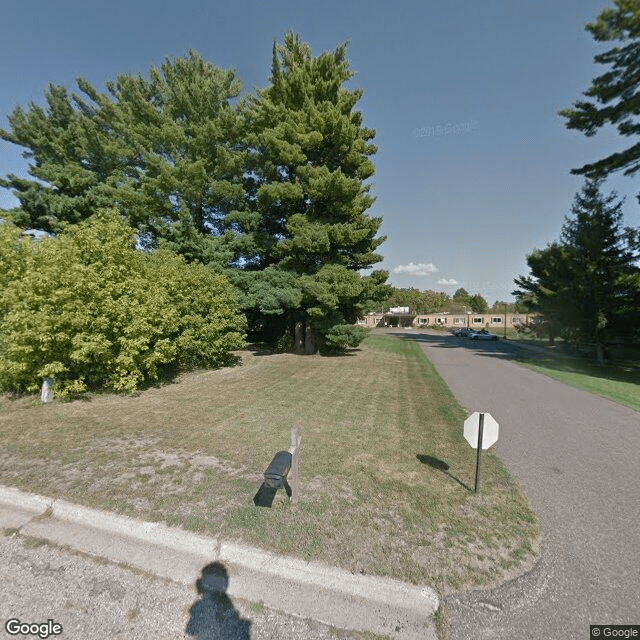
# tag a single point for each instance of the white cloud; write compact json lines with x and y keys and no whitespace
{"x":416,"y":269}
{"x":445,"y":281}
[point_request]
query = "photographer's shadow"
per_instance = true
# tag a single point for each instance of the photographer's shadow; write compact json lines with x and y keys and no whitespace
{"x":213,"y":616}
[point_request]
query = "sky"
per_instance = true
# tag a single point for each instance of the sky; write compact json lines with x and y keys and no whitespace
{"x":473,"y":162}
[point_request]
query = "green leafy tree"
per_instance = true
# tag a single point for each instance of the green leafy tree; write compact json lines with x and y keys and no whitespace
{"x":90,"y":310}
{"x":403,"y":297}
{"x":500,"y":306}
{"x":434,"y":301}
{"x":613,"y":96}
{"x":163,"y":150}
{"x":478,"y":304}
{"x":461,"y":296}
{"x":309,"y":160}
{"x":462,"y":301}
{"x":14,"y":251}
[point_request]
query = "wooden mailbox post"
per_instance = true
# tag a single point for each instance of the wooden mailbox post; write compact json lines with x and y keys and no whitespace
{"x":294,"y":474}
{"x":284,"y":471}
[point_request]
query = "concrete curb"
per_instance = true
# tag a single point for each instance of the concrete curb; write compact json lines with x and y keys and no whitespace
{"x":307,"y":589}
{"x":26,"y":501}
{"x":384,"y":591}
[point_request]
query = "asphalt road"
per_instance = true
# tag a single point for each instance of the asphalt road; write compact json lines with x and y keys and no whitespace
{"x":93,"y":599}
{"x":578,"y":457}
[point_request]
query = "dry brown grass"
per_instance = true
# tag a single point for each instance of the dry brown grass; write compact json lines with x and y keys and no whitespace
{"x":386,"y":474}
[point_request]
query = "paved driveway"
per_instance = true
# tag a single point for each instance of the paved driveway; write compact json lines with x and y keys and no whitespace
{"x":578,"y":458}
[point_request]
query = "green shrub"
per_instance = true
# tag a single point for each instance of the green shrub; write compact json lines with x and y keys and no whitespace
{"x":342,"y":336}
{"x":91,"y":311}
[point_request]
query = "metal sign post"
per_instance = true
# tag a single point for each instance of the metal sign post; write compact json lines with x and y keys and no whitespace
{"x":479,"y":452}
{"x":481,"y":432}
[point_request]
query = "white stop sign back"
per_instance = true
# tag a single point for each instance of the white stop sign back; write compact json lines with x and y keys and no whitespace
{"x":489,"y":430}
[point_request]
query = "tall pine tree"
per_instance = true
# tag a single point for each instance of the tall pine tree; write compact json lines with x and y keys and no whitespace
{"x":589,"y":283}
{"x":606,"y":280}
{"x":163,"y":150}
{"x":613,"y":96}
{"x":310,"y":160}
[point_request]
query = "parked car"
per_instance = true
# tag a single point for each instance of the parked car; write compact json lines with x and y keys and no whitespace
{"x":462,"y":331}
{"x":482,"y":335}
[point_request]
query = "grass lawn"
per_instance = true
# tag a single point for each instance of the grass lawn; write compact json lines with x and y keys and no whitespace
{"x":527,"y":338}
{"x":617,"y":382}
{"x":386,"y":476}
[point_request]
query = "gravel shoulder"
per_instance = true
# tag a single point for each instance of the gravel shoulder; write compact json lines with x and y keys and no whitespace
{"x":93,"y":599}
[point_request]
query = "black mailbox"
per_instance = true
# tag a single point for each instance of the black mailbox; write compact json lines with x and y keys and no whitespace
{"x":276,"y":474}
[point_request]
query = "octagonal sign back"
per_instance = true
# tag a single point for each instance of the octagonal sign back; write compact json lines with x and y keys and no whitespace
{"x":489,"y":430}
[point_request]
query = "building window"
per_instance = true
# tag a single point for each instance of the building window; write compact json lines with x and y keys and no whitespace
{"x":424,"y":320}
{"x":516,"y":320}
{"x":496,"y":320}
{"x":441,"y":320}
{"x":477,"y":320}
{"x":458,"y":321}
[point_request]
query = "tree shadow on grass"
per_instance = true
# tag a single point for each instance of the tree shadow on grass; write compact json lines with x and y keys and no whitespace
{"x":618,"y":372}
{"x":564,"y":360}
{"x":626,"y":372}
{"x":339,"y":354}
{"x":440,"y":465}
{"x":261,"y":349}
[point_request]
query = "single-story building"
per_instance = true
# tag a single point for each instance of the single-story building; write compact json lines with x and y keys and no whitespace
{"x":445,"y":319}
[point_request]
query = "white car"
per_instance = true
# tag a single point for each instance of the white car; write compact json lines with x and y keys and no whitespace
{"x":482,"y":335}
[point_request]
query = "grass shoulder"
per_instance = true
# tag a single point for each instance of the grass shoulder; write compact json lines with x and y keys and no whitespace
{"x":619,"y":382}
{"x":386,"y":475}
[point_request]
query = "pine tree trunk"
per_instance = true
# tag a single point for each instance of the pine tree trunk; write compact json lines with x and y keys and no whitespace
{"x":299,"y":341}
{"x":309,"y":341}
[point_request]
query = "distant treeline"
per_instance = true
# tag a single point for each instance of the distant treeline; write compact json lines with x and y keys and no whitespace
{"x":430,"y":301}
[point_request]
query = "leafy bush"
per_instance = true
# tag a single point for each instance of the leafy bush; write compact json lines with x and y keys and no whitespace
{"x":342,"y":336}
{"x":90,"y":310}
